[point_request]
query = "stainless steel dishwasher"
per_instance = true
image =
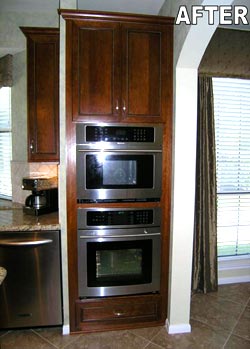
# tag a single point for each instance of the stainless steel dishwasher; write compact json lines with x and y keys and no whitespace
{"x":30,"y":294}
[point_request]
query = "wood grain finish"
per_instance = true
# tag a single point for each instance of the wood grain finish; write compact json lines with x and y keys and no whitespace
{"x":138,"y":71}
{"x":95,"y":70}
{"x":141,"y":79}
{"x":43,"y":93}
{"x":117,"y":312}
{"x":118,"y":68}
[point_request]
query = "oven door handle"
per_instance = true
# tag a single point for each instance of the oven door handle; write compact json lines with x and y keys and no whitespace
{"x":118,"y":236}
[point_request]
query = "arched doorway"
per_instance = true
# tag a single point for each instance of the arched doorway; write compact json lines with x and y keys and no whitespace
{"x":184,"y":160}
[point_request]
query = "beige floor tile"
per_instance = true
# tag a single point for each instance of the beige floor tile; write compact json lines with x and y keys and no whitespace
{"x":147,"y":333}
{"x":109,"y":340}
{"x":201,"y":337}
{"x":237,"y":343}
{"x":239,"y":293}
{"x":216,"y":312}
{"x":23,"y":340}
{"x":242,"y":328}
{"x":54,"y":336}
{"x":153,"y":346}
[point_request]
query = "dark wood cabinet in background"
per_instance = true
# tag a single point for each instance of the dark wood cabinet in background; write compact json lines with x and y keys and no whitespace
{"x":119,"y":70}
{"x":43,"y":93}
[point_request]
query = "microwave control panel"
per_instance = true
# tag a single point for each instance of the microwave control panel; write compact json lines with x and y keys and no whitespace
{"x":98,"y":133}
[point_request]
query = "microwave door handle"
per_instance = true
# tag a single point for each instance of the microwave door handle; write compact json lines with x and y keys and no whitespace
{"x":120,"y":150}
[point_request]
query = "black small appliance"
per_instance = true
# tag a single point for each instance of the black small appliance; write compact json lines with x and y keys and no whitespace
{"x":44,"y":197}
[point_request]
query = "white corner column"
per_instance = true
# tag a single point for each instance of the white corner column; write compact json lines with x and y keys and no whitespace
{"x":71,"y":4}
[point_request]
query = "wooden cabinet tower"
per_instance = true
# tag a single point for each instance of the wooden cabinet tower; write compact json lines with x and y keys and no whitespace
{"x":118,"y":69}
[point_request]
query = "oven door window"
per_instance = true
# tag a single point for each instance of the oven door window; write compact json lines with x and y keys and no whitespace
{"x":119,"y":263}
{"x":119,"y":171}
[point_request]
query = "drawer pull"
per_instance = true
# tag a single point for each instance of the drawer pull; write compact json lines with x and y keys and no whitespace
{"x":118,"y":313}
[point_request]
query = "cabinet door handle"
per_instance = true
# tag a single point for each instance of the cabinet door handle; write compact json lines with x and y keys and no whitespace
{"x":124,"y":106}
{"x":116,"y":105}
{"x":32,"y":146}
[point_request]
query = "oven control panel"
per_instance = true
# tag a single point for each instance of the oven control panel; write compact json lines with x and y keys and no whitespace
{"x":121,"y":217}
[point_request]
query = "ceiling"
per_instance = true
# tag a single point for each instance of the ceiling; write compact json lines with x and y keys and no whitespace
{"x":28,"y":5}
{"x":132,"y":6}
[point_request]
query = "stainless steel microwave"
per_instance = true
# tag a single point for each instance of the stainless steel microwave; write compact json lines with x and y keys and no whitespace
{"x":117,"y":162}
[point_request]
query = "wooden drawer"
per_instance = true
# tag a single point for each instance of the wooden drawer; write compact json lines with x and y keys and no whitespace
{"x":112,"y":312}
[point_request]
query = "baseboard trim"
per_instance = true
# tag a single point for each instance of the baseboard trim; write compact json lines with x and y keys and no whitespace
{"x":65,"y":330}
{"x":233,"y":280}
{"x":235,"y":269}
{"x":180,"y":328}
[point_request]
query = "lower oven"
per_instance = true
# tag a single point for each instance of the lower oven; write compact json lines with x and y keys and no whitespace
{"x":118,"y":251}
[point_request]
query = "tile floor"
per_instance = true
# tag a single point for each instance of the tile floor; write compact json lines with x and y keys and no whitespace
{"x":219,"y":320}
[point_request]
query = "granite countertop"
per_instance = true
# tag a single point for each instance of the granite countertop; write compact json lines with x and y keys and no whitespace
{"x":12,"y":218}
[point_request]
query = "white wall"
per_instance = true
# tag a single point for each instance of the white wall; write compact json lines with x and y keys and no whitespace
{"x":189,"y":45}
{"x":71,"y":4}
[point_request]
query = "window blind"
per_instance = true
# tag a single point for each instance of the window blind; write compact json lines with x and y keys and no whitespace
{"x":232,"y":134}
{"x":5,"y":143}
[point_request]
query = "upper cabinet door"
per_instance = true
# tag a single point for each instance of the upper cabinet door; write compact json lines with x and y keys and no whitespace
{"x":95,"y":70}
{"x":43,"y":93}
{"x":141,"y":74}
{"x":144,"y":68}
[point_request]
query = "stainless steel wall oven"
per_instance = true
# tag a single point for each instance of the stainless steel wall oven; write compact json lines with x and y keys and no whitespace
{"x":117,"y":162}
{"x":119,"y":251}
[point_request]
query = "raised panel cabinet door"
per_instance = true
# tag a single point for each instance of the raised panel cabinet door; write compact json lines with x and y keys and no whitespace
{"x":144,"y":61}
{"x":95,"y":70}
{"x":43,"y":93}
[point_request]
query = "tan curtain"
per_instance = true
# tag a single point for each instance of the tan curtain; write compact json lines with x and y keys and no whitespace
{"x":205,"y":235}
{"x":6,"y":71}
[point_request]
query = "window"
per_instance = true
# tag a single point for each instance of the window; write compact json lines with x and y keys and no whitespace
{"x":232,"y":128}
{"x":5,"y":142}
